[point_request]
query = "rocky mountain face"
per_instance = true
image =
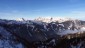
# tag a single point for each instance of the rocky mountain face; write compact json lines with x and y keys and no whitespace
{"x":38,"y":33}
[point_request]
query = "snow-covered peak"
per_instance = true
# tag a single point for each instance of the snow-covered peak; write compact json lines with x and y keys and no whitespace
{"x":20,"y":19}
{"x":53,"y":19}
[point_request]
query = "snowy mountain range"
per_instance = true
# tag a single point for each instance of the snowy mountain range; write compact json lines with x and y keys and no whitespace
{"x":53,"y":19}
{"x":17,"y":33}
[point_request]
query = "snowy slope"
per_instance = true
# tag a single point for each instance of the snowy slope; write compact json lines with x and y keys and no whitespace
{"x":6,"y":40}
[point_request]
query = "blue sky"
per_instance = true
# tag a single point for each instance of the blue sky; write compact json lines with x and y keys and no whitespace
{"x":30,"y":9}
